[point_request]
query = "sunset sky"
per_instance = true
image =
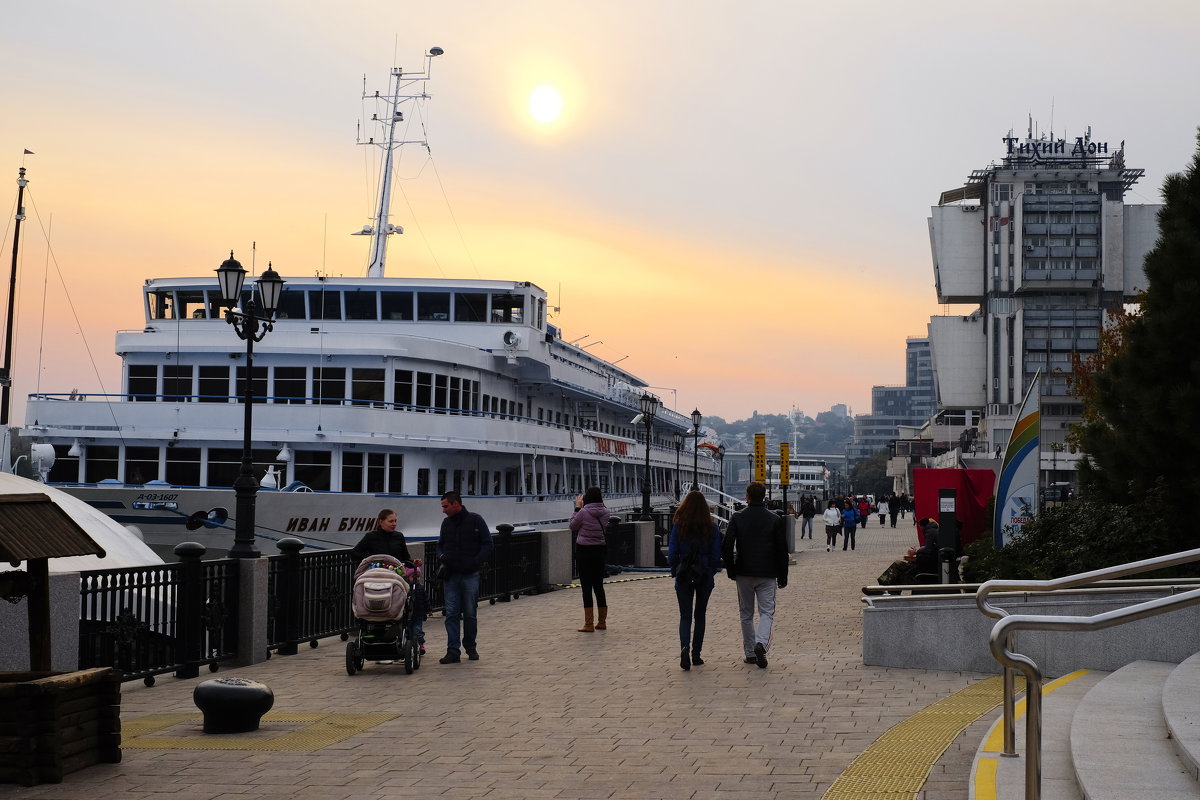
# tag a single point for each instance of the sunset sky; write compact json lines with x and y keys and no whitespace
{"x":733,"y":196}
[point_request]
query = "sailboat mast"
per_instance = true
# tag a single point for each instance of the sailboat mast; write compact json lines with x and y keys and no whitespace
{"x":382,"y":228}
{"x":6,"y":369}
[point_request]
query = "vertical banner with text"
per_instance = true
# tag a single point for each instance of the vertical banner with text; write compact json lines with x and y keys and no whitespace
{"x":760,"y":457}
{"x":785,"y":464}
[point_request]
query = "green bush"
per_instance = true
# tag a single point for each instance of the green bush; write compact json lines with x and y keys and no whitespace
{"x":1080,"y":536}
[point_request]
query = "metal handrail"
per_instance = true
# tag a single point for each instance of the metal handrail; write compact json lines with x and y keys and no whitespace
{"x":1013,"y":661}
{"x":1065,"y":582}
{"x":1000,"y":647}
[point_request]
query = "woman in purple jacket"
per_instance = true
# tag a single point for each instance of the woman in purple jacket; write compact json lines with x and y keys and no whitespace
{"x":591,"y":555}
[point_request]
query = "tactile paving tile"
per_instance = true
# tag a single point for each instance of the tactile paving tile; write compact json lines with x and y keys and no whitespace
{"x":896,"y":764}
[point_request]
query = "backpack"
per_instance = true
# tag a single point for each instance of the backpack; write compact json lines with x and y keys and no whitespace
{"x":690,"y":572}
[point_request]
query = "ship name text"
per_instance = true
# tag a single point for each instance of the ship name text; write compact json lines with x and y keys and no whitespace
{"x":307,"y":524}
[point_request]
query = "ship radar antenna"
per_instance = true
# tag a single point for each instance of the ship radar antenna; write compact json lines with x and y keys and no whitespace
{"x":406,"y":88}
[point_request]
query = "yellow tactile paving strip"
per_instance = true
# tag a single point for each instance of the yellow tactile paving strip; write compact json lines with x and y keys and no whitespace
{"x":896,"y":764}
{"x":315,"y":731}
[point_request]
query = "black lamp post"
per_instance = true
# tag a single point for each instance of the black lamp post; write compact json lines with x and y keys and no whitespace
{"x":721,"y":462}
{"x":677,"y":437}
{"x":696,"y":418}
{"x":649,"y":409}
{"x":251,"y":328}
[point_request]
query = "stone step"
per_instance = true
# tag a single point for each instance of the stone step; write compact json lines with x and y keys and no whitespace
{"x":1119,"y":742}
{"x":996,"y":777}
{"x":1181,"y":707}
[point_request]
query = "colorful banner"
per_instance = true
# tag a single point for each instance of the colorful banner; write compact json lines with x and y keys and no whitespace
{"x":785,"y":464}
{"x":760,"y":457}
{"x":1016,"y":491}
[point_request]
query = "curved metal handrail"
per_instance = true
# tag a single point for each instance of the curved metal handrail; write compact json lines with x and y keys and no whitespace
{"x":1053,"y":584}
{"x":999,"y":642}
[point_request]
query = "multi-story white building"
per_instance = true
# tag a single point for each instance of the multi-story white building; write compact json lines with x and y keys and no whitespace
{"x":1044,"y":243}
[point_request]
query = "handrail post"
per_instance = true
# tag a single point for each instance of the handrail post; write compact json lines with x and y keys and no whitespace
{"x":1010,"y":704}
{"x":1033,"y":737}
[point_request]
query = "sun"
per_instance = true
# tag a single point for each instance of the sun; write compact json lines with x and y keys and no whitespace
{"x":545,"y":104}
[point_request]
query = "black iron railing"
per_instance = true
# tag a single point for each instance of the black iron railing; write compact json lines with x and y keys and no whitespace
{"x":308,"y":596}
{"x":166,"y":618}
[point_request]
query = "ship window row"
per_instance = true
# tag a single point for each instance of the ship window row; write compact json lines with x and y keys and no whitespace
{"x":358,"y":471}
{"x":359,"y":304}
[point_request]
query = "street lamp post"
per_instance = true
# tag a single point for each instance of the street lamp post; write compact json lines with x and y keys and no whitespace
{"x":721,"y":462}
{"x":696,"y":418}
{"x":677,"y":437}
{"x":251,"y":328}
{"x":649,"y":408}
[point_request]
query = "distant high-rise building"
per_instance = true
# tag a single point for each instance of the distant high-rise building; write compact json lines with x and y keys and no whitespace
{"x":1044,"y":243}
{"x":893,"y":406}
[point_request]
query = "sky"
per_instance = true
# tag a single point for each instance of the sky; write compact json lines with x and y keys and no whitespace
{"x":733,"y":199}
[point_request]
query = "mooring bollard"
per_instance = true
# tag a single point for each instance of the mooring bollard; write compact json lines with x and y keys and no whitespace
{"x":232,"y":705}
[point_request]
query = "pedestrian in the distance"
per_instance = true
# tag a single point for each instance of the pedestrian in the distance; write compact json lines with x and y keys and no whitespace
{"x":464,"y":543}
{"x":588,"y":523}
{"x":808,"y":510}
{"x":832,"y":518}
{"x":849,"y":524}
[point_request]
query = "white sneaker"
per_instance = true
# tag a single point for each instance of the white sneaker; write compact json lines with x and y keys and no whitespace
{"x":826,"y":548}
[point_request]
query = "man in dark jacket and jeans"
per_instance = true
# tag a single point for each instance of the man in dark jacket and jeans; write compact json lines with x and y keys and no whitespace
{"x":756,"y":557}
{"x":463,"y":545}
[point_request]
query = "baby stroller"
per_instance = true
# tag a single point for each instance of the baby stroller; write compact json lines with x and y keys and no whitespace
{"x":384,"y":602}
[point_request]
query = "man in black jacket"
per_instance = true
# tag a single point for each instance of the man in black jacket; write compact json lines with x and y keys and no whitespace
{"x":463,"y":545}
{"x":756,"y":557}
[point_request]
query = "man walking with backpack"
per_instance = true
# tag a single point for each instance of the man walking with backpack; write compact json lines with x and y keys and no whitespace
{"x":756,"y":558}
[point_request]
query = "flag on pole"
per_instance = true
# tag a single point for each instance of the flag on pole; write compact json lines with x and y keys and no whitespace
{"x":29,"y":152}
{"x":1016,"y":492}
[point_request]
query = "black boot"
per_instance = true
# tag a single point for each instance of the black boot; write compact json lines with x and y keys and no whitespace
{"x":685,"y":663}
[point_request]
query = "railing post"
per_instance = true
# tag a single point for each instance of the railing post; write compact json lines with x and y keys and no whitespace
{"x":504,"y":577}
{"x":189,"y":628}
{"x":290,"y":609}
{"x":1010,"y":704}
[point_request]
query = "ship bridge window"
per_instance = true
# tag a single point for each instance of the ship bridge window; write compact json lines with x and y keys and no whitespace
{"x":291,"y":305}
{"x":190,"y":304}
{"x":177,"y":383}
{"x":161,"y":304}
{"x":470,"y":307}
{"x":508,"y":308}
{"x":324,"y":304}
{"x":312,"y":468}
{"x":433,"y":306}
{"x":396,"y":305}
{"x":361,"y":304}
{"x":258,"y":384}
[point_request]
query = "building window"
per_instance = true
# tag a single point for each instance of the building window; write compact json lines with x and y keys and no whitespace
{"x":403,"y":387}
{"x":329,"y":385}
{"x":142,"y":383}
{"x":141,"y":464}
{"x":366,"y":387}
{"x":214,"y":385}
{"x":290,"y":385}
{"x":183,"y":466}
{"x":313,"y":468}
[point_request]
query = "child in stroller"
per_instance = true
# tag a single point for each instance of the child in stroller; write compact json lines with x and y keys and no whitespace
{"x":389,"y":604}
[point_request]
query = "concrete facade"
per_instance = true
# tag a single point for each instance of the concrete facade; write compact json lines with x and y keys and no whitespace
{"x":949,"y":632}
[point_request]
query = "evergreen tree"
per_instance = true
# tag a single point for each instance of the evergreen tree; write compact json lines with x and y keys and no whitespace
{"x":1147,"y":393}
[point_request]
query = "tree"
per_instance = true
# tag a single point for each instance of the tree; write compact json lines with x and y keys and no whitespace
{"x":1143,"y":430}
{"x":869,"y":476}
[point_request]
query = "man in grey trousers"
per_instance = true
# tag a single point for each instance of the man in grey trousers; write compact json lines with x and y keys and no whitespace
{"x":756,"y":558}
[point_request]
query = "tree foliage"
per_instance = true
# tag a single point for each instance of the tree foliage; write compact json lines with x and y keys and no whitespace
{"x":1143,"y":396}
{"x":869,"y":476}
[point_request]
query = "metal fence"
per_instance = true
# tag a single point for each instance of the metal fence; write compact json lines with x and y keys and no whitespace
{"x":166,"y":618}
{"x":176,"y":617}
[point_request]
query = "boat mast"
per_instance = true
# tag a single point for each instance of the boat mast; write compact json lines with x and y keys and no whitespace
{"x":6,"y":370}
{"x":402,"y":82}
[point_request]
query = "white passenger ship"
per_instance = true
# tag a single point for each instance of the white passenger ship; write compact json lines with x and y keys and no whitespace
{"x":370,"y":393}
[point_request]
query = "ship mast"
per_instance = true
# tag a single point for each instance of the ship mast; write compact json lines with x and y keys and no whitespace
{"x":6,"y":370}
{"x":401,"y":92}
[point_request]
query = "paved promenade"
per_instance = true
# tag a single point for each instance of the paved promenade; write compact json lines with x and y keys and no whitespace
{"x":551,"y":713}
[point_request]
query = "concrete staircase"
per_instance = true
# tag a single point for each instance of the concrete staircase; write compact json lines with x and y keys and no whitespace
{"x":1126,"y":735}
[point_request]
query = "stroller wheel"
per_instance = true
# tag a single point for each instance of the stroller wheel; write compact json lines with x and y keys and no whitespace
{"x":353,"y":664}
{"x":409,"y":657}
